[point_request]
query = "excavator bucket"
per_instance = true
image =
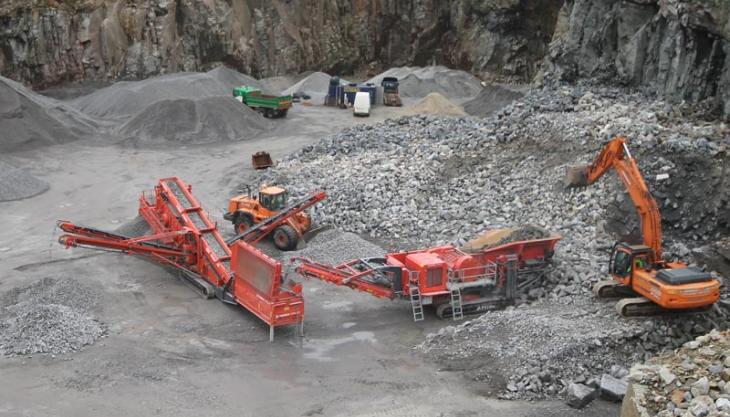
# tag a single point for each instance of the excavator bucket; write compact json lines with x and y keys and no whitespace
{"x":576,"y":176}
{"x":261,"y":160}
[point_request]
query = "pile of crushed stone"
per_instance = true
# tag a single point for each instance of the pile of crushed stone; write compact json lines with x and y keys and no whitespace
{"x":314,"y":85}
{"x":31,"y":120}
{"x":125,"y":99}
{"x":334,"y":247}
{"x":491,"y":99}
{"x":435,"y":103}
{"x":418,"y":82}
{"x":51,"y":316}
{"x":538,"y":350}
{"x":47,"y":328}
{"x":188,"y":121}
{"x":17,"y":184}
{"x":695,"y":377}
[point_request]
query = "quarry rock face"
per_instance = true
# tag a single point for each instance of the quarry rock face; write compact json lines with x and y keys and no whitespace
{"x":677,"y":48}
{"x":55,"y":41}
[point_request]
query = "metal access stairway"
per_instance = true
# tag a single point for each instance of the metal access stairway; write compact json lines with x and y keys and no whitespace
{"x":416,"y":303}
{"x":456,"y":307}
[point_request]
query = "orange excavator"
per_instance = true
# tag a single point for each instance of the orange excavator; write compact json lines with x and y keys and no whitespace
{"x":647,"y":284}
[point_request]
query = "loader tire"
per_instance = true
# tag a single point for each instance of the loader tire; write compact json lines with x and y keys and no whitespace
{"x":242,"y":223}
{"x":285,"y":238}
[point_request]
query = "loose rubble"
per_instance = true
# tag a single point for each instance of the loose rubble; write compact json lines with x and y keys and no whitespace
{"x":694,"y":379}
{"x":52,"y":316}
{"x":427,"y":180}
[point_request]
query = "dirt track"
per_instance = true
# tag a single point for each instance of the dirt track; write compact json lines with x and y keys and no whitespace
{"x":169,"y":352}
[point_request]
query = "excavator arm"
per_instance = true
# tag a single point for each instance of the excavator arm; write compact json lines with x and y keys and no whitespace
{"x":616,"y":155}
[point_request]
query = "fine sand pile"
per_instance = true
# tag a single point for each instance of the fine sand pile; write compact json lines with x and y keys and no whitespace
{"x":16,"y":184}
{"x":124,"y":100}
{"x":435,"y":103}
{"x":30,"y":120}
{"x":491,"y":99}
{"x":420,"y":81}
{"x":194,"y":121}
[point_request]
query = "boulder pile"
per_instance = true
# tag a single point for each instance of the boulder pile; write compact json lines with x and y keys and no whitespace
{"x":691,"y":381}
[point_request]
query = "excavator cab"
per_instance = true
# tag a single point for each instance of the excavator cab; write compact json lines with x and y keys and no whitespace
{"x":625,"y":259}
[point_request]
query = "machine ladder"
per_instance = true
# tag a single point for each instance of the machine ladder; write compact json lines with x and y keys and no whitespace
{"x":262,"y":229}
{"x":456,"y":307}
{"x":416,"y":303}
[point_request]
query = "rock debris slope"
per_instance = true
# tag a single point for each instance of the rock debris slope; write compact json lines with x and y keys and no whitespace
{"x":427,"y":180}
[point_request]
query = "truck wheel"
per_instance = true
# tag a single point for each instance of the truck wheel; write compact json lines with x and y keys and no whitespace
{"x":285,"y":237}
{"x":242,"y":223}
{"x":282,"y":113}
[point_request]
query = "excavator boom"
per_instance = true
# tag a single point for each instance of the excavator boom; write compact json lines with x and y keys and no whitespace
{"x":616,"y":155}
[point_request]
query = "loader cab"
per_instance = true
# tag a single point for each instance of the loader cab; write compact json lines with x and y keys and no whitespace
{"x":625,"y":259}
{"x":273,"y":198}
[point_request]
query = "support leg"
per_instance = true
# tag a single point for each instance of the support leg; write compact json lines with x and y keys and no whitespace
{"x":271,"y":333}
{"x":301,"y":329}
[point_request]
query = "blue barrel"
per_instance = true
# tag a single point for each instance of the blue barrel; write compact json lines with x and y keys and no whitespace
{"x":350,"y":91}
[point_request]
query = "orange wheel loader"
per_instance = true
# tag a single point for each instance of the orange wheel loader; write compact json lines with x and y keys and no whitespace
{"x":247,"y":210}
{"x":648,"y":284}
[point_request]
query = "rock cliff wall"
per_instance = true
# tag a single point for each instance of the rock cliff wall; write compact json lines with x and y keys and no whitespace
{"x":677,"y":48}
{"x":50,"y":42}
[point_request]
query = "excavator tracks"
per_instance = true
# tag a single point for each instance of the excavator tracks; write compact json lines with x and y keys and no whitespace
{"x":643,"y":307}
{"x":611,"y":289}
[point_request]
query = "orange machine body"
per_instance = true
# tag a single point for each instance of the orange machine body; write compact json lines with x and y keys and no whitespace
{"x":671,"y":285}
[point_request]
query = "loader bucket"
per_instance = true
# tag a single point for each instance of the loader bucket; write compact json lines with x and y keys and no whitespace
{"x":261,"y":160}
{"x":576,"y":176}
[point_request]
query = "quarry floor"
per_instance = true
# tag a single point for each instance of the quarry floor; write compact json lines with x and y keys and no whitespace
{"x":169,"y":351}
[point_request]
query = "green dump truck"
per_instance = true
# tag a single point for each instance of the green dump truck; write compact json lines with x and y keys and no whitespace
{"x":269,"y":106}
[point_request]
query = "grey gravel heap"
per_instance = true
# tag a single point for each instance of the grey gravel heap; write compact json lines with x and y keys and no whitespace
{"x":334,"y":247}
{"x":51,"y":316}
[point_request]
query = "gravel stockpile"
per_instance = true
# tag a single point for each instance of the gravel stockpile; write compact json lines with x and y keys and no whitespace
{"x":435,"y":103}
{"x":123,"y":100}
{"x":695,"y":378}
{"x":334,"y":247}
{"x":30,"y":120}
{"x":491,"y":99}
{"x":421,"y":81}
{"x":315,"y":85}
{"x":49,"y":316}
{"x":205,"y":120}
{"x":427,"y":180}
{"x":47,"y":328}
{"x":16,"y":183}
